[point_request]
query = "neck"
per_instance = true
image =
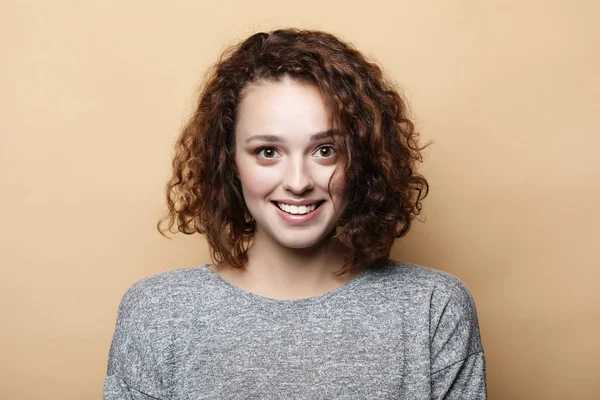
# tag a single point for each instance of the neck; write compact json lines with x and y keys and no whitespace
{"x":278,"y":271}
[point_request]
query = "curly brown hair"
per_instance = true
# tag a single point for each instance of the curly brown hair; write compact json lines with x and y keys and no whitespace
{"x":378,"y":149}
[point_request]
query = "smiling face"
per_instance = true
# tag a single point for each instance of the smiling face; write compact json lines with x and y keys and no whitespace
{"x":285,"y":158}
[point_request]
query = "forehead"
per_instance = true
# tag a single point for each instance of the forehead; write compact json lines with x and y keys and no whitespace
{"x":286,"y":108}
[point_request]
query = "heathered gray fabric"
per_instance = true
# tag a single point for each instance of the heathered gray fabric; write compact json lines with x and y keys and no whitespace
{"x":398,"y":332}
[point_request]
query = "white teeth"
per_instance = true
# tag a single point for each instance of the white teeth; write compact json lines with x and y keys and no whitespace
{"x":296,"y":209}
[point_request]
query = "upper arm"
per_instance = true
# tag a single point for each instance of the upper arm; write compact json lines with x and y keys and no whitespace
{"x":115,"y":388}
{"x":133,"y":367}
{"x":457,"y":359}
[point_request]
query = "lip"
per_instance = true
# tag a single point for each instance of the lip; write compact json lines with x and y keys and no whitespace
{"x":298,"y":202}
{"x":297,"y":219}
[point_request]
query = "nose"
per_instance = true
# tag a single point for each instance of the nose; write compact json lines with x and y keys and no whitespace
{"x":297,"y":178}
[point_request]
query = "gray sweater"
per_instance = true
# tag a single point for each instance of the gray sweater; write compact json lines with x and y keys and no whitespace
{"x":397,"y":332}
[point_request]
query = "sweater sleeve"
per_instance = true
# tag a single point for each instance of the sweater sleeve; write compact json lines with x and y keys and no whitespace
{"x":133,"y":364}
{"x":458,"y":369}
{"x":116,"y":388}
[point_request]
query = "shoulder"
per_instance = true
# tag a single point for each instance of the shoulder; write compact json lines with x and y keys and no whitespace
{"x":179,"y":278}
{"x":158,"y":293}
{"x":149,"y":319}
{"x":452,"y":317}
{"x":453,"y":322}
{"x":403,"y":277}
{"x":445,"y":300}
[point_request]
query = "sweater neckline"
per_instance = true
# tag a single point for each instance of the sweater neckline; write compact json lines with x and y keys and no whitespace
{"x":256,"y":298}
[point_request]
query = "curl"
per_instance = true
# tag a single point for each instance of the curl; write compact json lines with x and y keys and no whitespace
{"x":379,"y":150}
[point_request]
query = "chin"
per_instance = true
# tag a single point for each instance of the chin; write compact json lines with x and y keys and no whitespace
{"x":298,"y":242}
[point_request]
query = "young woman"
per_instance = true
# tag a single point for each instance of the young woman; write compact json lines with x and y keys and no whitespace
{"x":299,"y":167}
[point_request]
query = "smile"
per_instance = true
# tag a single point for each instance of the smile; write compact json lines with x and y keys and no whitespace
{"x":298,"y":210}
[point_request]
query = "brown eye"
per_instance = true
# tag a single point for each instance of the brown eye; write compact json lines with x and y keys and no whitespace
{"x":269,"y":153}
{"x":326,"y":151}
{"x":266,"y":152}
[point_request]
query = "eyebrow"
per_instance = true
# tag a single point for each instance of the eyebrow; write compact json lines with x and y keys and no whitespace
{"x":278,"y":139}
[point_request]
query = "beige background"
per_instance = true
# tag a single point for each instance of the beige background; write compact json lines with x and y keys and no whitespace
{"x":92,"y":94}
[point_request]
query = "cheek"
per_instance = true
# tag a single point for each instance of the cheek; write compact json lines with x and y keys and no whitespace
{"x":338,"y":185}
{"x":339,"y":193}
{"x":257,"y":182}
